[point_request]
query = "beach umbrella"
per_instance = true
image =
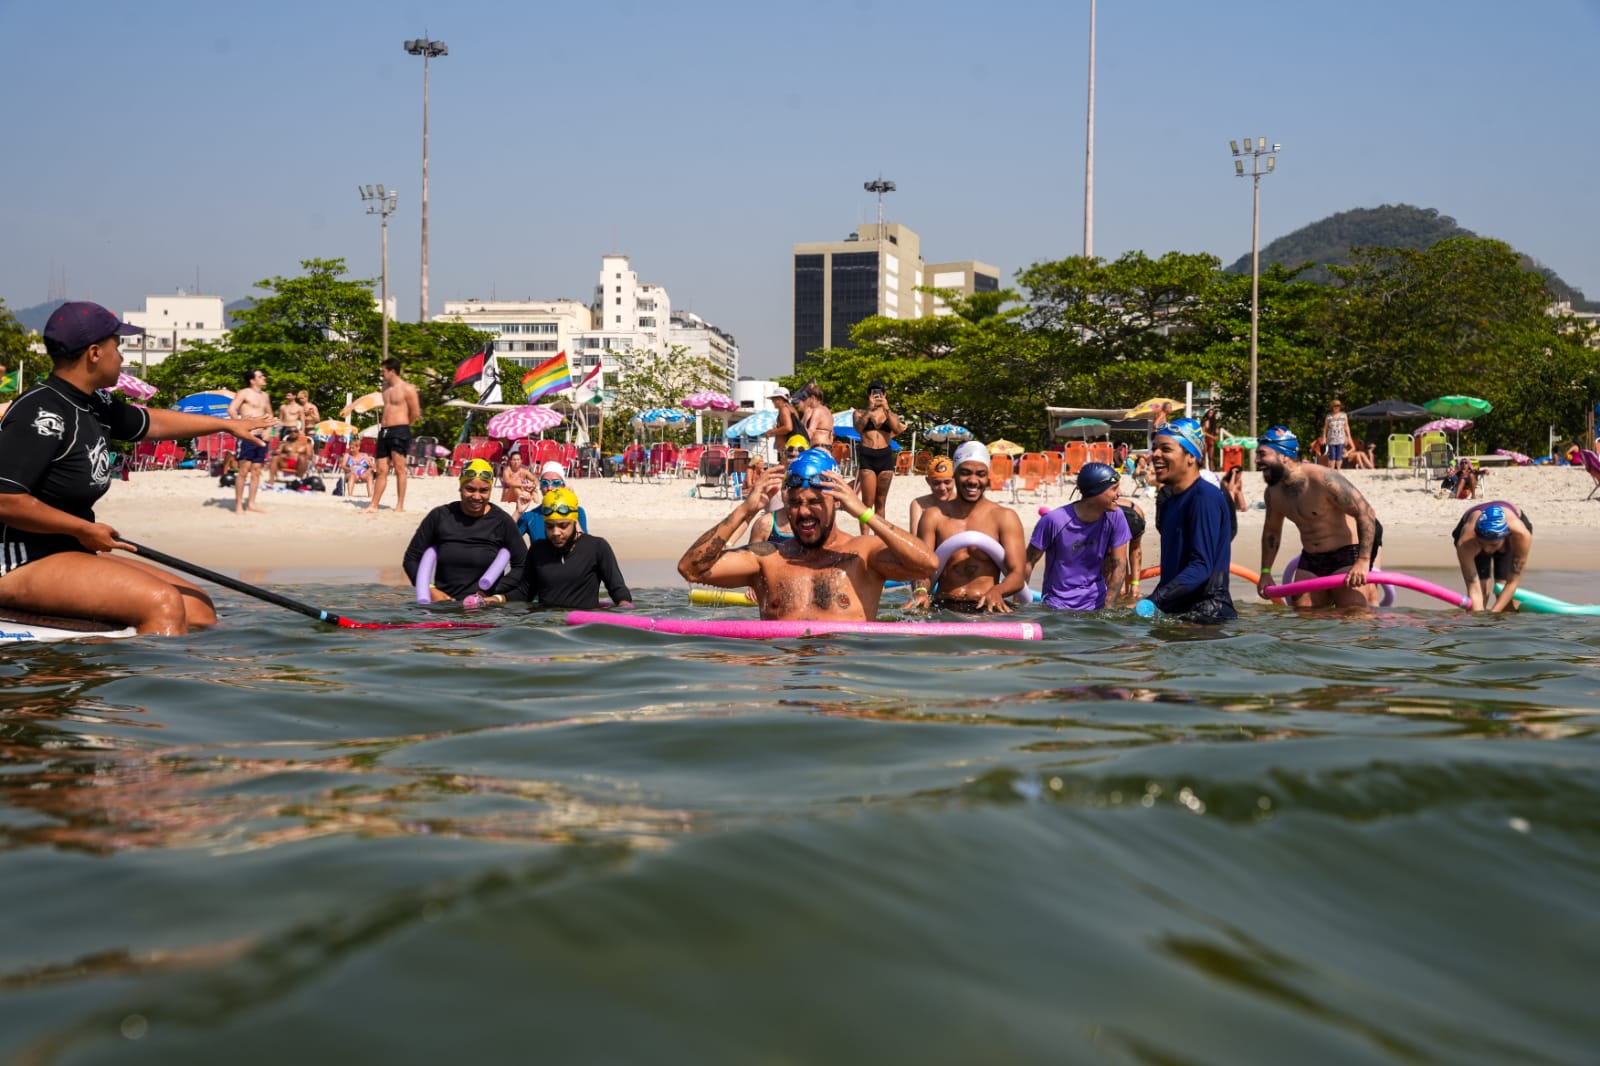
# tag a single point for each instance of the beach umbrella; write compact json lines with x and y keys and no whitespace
{"x":948,"y":433}
{"x":1458,"y":407}
{"x":372,"y":430}
{"x":333,"y":427}
{"x":1081,"y":427}
{"x":845,"y":432}
{"x":1007,"y":448}
{"x":1445,"y":425}
{"x":755,"y":425}
{"x":661,"y":416}
{"x":1389,"y":409}
{"x":1153,"y":406}
{"x":136,"y":388}
{"x":205,"y":403}
{"x":1516,"y":457}
{"x":708,"y":399}
{"x":1247,"y":443}
{"x":360,"y":406}
{"x":526,"y":421}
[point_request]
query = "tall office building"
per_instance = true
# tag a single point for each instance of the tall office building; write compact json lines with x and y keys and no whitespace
{"x":839,"y":283}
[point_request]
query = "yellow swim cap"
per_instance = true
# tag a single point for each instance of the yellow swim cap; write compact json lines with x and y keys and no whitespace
{"x":477,"y":470}
{"x":559,"y":505}
{"x":797,"y":441}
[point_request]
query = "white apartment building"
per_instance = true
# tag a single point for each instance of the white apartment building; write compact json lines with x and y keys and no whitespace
{"x":527,"y":332}
{"x":172,"y":323}
{"x":706,"y":341}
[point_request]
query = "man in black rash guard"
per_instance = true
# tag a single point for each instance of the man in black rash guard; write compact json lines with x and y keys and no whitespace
{"x":566,"y":567}
{"x":55,"y":464}
{"x":466,"y":536}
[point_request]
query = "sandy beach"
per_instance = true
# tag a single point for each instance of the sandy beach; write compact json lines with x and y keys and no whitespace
{"x":320,"y":537}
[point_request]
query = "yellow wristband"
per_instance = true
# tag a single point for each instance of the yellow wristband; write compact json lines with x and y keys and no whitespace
{"x":867,"y":516}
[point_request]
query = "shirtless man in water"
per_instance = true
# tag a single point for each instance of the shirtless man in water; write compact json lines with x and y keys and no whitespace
{"x":941,"y":479}
{"x":250,"y":404}
{"x":400,"y":408}
{"x":1339,"y":534}
{"x":970,"y":580}
{"x":824,"y":572}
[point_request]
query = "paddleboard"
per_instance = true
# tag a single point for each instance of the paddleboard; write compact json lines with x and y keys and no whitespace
{"x":18,"y":627}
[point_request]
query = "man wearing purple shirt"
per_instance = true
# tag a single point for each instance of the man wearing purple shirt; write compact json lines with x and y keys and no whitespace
{"x":1086,"y":545}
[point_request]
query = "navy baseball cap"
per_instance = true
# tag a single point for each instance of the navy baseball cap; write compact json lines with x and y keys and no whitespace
{"x":76,"y":325}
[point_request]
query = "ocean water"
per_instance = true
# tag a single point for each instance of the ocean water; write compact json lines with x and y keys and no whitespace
{"x":1314,"y":839}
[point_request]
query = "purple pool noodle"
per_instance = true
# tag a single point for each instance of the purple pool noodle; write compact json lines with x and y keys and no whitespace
{"x":755,"y":628}
{"x":430,"y":559}
{"x":1376,"y":577}
{"x":502,"y":559}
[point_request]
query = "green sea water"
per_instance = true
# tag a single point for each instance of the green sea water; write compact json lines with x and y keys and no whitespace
{"x":1313,"y":839}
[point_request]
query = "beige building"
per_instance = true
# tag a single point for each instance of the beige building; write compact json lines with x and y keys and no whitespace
{"x":839,"y":283}
{"x":171,"y":324}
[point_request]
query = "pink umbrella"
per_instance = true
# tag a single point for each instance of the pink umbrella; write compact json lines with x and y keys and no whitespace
{"x":523,"y":422}
{"x":1447,"y":425}
{"x":136,"y":388}
{"x":706,"y":398}
{"x":1516,"y":457}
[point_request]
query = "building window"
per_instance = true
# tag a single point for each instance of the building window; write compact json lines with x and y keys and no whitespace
{"x":855,"y":294}
{"x":985,"y":283}
{"x":619,"y":287}
{"x":808,"y":281}
{"x":647,"y":323}
{"x":619,"y":304}
{"x":619,"y":320}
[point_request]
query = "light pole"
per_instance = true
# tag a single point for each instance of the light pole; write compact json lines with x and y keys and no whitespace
{"x":427,"y":50}
{"x":880,"y":187}
{"x":1255,"y":152}
{"x":381,"y":202}
{"x":1088,"y":162}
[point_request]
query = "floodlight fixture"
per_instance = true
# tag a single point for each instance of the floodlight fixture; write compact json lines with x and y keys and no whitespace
{"x":1255,"y":149}
{"x":1235,"y":146}
{"x":1238,"y":167}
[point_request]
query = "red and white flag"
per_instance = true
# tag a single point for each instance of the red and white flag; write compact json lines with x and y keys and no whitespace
{"x":587,"y":389}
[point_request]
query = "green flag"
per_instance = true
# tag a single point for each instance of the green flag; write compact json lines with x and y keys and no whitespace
{"x":9,"y":382}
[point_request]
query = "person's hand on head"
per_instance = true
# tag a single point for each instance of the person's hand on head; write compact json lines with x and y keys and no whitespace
{"x":762,"y":491}
{"x":842,"y":491}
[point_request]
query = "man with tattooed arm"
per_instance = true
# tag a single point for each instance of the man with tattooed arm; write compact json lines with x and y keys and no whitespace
{"x":1339,"y":534}
{"x":824,"y":572}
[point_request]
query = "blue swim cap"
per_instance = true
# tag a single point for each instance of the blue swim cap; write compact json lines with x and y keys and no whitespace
{"x":1491,"y":523}
{"x":1095,"y":478}
{"x":1187,"y":432}
{"x":806,"y":466}
{"x":1281,"y":440}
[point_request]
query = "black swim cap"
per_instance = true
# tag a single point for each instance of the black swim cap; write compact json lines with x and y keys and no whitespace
{"x":1095,"y":478}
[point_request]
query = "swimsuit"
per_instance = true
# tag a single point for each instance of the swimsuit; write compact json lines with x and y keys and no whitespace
{"x":1321,"y":564}
{"x":1486,"y":562}
{"x":878,"y":460}
{"x":394,"y":440}
{"x":251,"y":452}
{"x":775,"y":534}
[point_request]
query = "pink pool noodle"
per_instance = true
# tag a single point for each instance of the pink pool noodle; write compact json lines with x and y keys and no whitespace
{"x":1376,"y":577}
{"x":755,"y":628}
{"x":1294,"y":564}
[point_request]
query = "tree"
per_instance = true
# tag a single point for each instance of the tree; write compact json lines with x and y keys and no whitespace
{"x":16,"y":344}
{"x":647,"y":378}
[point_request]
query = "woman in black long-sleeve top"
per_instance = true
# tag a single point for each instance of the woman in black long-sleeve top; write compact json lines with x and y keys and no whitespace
{"x":466,"y":536}
{"x":565,"y":569}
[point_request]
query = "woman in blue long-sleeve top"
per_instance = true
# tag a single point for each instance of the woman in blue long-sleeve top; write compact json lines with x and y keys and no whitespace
{"x":1196,"y":526}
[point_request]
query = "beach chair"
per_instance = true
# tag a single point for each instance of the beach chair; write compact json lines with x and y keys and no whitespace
{"x":920,"y":462}
{"x":332,"y":457}
{"x":712,"y":465}
{"x":902,"y":463}
{"x":844,"y":453}
{"x":1437,"y":457}
{"x":1100,"y":452}
{"x":1031,"y":476}
{"x":689,"y":460}
{"x":737,"y":470}
{"x":545,"y":451}
{"x":1075,"y":454}
{"x":420,"y":459}
{"x":1054,"y":468}
{"x":460,"y":456}
{"x":1000,"y":473}
{"x":1591,"y":463}
{"x":1402,"y":450}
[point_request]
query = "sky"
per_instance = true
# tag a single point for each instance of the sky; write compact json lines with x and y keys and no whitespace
{"x":164,"y":144}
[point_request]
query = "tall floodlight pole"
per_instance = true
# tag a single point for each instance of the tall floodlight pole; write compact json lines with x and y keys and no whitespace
{"x":382,"y":202}
{"x":1088,"y":162}
{"x":880,"y":187}
{"x":427,"y":50}
{"x":1255,"y":151}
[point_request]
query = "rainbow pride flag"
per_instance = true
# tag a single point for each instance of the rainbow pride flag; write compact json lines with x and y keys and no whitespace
{"x":552,"y":375}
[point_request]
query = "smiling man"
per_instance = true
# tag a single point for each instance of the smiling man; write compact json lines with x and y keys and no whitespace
{"x":990,"y":565}
{"x":1195,"y":524}
{"x":824,"y":572}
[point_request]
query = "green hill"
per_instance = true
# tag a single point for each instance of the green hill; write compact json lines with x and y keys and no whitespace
{"x":1391,"y":226}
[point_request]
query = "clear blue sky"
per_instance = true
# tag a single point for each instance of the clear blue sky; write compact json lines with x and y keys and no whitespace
{"x":146,"y":141}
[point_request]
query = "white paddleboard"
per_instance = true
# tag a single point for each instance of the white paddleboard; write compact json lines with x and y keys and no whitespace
{"x":23,"y":627}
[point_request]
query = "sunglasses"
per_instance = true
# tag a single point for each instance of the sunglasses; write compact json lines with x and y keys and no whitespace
{"x":561,"y":509}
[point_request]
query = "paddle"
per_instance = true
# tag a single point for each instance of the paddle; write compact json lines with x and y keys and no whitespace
{"x":283,"y":601}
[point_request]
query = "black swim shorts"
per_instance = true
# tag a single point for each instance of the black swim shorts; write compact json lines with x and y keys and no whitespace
{"x":878,"y":460}
{"x":394,"y":440}
{"x":1321,"y":564}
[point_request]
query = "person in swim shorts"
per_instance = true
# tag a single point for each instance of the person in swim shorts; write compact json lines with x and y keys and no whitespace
{"x":250,"y":403}
{"x":466,"y":536}
{"x":401,"y":408}
{"x":566,"y":566}
{"x":1084,"y":545}
{"x":971,"y":580}
{"x":1339,"y":534}
{"x":828,"y":571}
{"x":1492,"y":544}
{"x":1194,"y":522}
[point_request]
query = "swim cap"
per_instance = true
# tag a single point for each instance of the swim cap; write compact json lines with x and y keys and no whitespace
{"x":552,"y":471}
{"x":972,"y":452}
{"x":559,"y":505}
{"x":477,"y":470}
{"x":1281,"y":440}
{"x":1095,"y":478}
{"x":799,"y":440}
{"x":1186,"y":431}
{"x":942,"y":467}
{"x":805,"y":468}
{"x":1491,"y":523}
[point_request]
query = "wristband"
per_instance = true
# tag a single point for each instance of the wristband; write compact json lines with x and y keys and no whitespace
{"x":866,"y":516}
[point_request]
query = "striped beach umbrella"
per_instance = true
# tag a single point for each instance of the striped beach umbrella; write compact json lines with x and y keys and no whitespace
{"x":527,"y":421}
{"x":755,"y":425}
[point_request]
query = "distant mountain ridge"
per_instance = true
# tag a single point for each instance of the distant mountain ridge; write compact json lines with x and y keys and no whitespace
{"x":1328,"y":242}
{"x":35,"y":317}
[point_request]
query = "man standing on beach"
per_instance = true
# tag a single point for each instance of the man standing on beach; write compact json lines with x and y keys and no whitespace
{"x":972,"y":579}
{"x":289,"y":414}
{"x":823,"y":572}
{"x":250,"y":403}
{"x":1339,"y":534}
{"x":309,"y":415}
{"x":1196,"y":540}
{"x":400,"y":408}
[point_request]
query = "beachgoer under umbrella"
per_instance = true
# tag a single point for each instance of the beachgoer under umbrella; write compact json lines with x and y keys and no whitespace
{"x":466,"y":536}
{"x":55,"y":464}
{"x":972,"y":578}
{"x":1492,"y":544}
{"x":530,"y":523}
{"x":1084,"y":545}
{"x":566,"y":566}
{"x":878,"y":425}
{"x":825,"y":572}
{"x":1339,"y":534}
{"x":1195,"y":526}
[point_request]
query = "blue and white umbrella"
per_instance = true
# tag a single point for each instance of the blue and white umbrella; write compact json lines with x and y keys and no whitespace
{"x":845,"y":419}
{"x":662,"y":416}
{"x":205,"y":403}
{"x":947,"y":433}
{"x":755,"y":425}
{"x":845,"y":432}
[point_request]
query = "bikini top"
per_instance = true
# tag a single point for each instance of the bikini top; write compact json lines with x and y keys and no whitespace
{"x":776,"y":534}
{"x":869,"y":426}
